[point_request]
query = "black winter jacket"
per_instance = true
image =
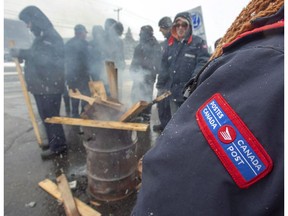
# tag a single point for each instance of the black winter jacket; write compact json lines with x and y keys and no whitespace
{"x":44,"y":61}
{"x":222,"y":153}
{"x":146,"y":60}
{"x":77,"y":63}
{"x":180,"y":62}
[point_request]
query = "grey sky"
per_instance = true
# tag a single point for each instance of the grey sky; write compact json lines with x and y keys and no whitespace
{"x":65,"y":14}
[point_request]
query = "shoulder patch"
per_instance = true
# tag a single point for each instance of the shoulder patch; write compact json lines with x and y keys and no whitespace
{"x":237,"y":148}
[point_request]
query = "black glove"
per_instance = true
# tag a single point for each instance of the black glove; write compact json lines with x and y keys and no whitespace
{"x":14,"y":52}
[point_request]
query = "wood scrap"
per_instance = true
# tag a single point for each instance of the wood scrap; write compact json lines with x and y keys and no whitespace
{"x":67,"y":197}
{"x":27,"y":97}
{"x":97,"y":89}
{"x":140,"y":106}
{"x":134,"y":111}
{"x":91,"y":100}
{"x":112,"y":78}
{"x":51,"y":188}
{"x":98,"y":124}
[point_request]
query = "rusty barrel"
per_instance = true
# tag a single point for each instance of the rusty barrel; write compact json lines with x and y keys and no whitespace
{"x":111,"y":163}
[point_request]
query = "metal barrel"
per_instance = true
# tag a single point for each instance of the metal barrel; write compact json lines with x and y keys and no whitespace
{"x":111,"y":163}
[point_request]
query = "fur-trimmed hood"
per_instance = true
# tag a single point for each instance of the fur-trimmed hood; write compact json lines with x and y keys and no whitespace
{"x":187,"y":17}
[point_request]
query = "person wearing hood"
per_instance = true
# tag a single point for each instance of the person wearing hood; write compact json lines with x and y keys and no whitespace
{"x":97,"y":54}
{"x":144,"y":67}
{"x":44,"y":75}
{"x":115,"y":48}
{"x":163,"y":107}
{"x":185,"y":55}
{"x":77,"y":67}
{"x":222,"y":153}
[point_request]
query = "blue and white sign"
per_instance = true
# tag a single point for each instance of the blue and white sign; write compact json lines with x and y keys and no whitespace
{"x":197,"y":22}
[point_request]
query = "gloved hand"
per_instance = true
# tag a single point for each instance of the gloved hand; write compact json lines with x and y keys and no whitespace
{"x":14,"y":52}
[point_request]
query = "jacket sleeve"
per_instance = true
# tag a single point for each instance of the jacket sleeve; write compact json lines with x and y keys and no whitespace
{"x":163,"y":76}
{"x":202,"y":57}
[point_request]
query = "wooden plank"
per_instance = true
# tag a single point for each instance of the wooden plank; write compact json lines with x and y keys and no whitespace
{"x":161,"y":97}
{"x":66,"y":194}
{"x":133,"y":111}
{"x":77,"y":94}
{"x":91,"y":100}
{"x":26,"y":97}
{"x":112,"y":78}
{"x":97,"y":88}
{"x":98,"y":124}
{"x":140,"y":106}
{"x":51,"y":188}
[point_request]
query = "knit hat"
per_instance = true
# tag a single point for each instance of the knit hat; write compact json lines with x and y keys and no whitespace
{"x":80,"y":28}
{"x":165,"y":23}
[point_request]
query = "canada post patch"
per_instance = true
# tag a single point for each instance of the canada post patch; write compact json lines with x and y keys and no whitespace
{"x":237,"y":148}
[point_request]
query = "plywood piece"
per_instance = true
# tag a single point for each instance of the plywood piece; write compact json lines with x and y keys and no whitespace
{"x":51,"y":188}
{"x":97,"y":88}
{"x":133,"y":111}
{"x":67,"y":197}
{"x":98,"y":124}
{"x":112,"y":74}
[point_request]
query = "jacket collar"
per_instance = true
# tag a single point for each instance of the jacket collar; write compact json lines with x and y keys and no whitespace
{"x":171,"y":40}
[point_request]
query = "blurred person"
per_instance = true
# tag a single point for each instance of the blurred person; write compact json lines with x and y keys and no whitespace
{"x":164,"y":112}
{"x":44,"y":75}
{"x":144,"y":67}
{"x":115,"y":48}
{"x":77,"y":67}
{"x":97,"y":54}
{"x":185,"y":55}
{"x":223,"y":151}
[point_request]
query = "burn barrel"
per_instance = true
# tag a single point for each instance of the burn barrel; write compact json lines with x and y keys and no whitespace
{"x":111,"y":163}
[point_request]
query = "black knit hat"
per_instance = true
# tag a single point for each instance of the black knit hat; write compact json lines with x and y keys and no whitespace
{"x":80,"y":28}
{"x":165,"y":22}
{"x":147,"y":29}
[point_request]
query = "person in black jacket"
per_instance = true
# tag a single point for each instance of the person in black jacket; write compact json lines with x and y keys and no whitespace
{"x":77,"y":67}
{"x":97,"y":54}
{"x":185,"y":55}
{"x":144,"y":67}
{"x":223,"y":151}
{"x":44,"y":74}
{"x":114,"y":49}
{"x":164,"y":112}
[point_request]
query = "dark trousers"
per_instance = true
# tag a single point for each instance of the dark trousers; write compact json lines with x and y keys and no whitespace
{"x":164,"y":112}
{"x":49,"y":106}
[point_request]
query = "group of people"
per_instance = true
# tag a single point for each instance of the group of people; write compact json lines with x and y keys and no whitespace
{"x":52,"y":67}
{"x":85,"y":60}
{"x":176,"y":60}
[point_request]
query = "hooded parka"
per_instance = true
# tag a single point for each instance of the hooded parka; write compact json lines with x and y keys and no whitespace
{"x":44,"y":61}
{"x":181,"y":60}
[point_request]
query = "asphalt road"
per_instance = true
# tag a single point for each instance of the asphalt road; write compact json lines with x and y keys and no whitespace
{"x":24,"y":168}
